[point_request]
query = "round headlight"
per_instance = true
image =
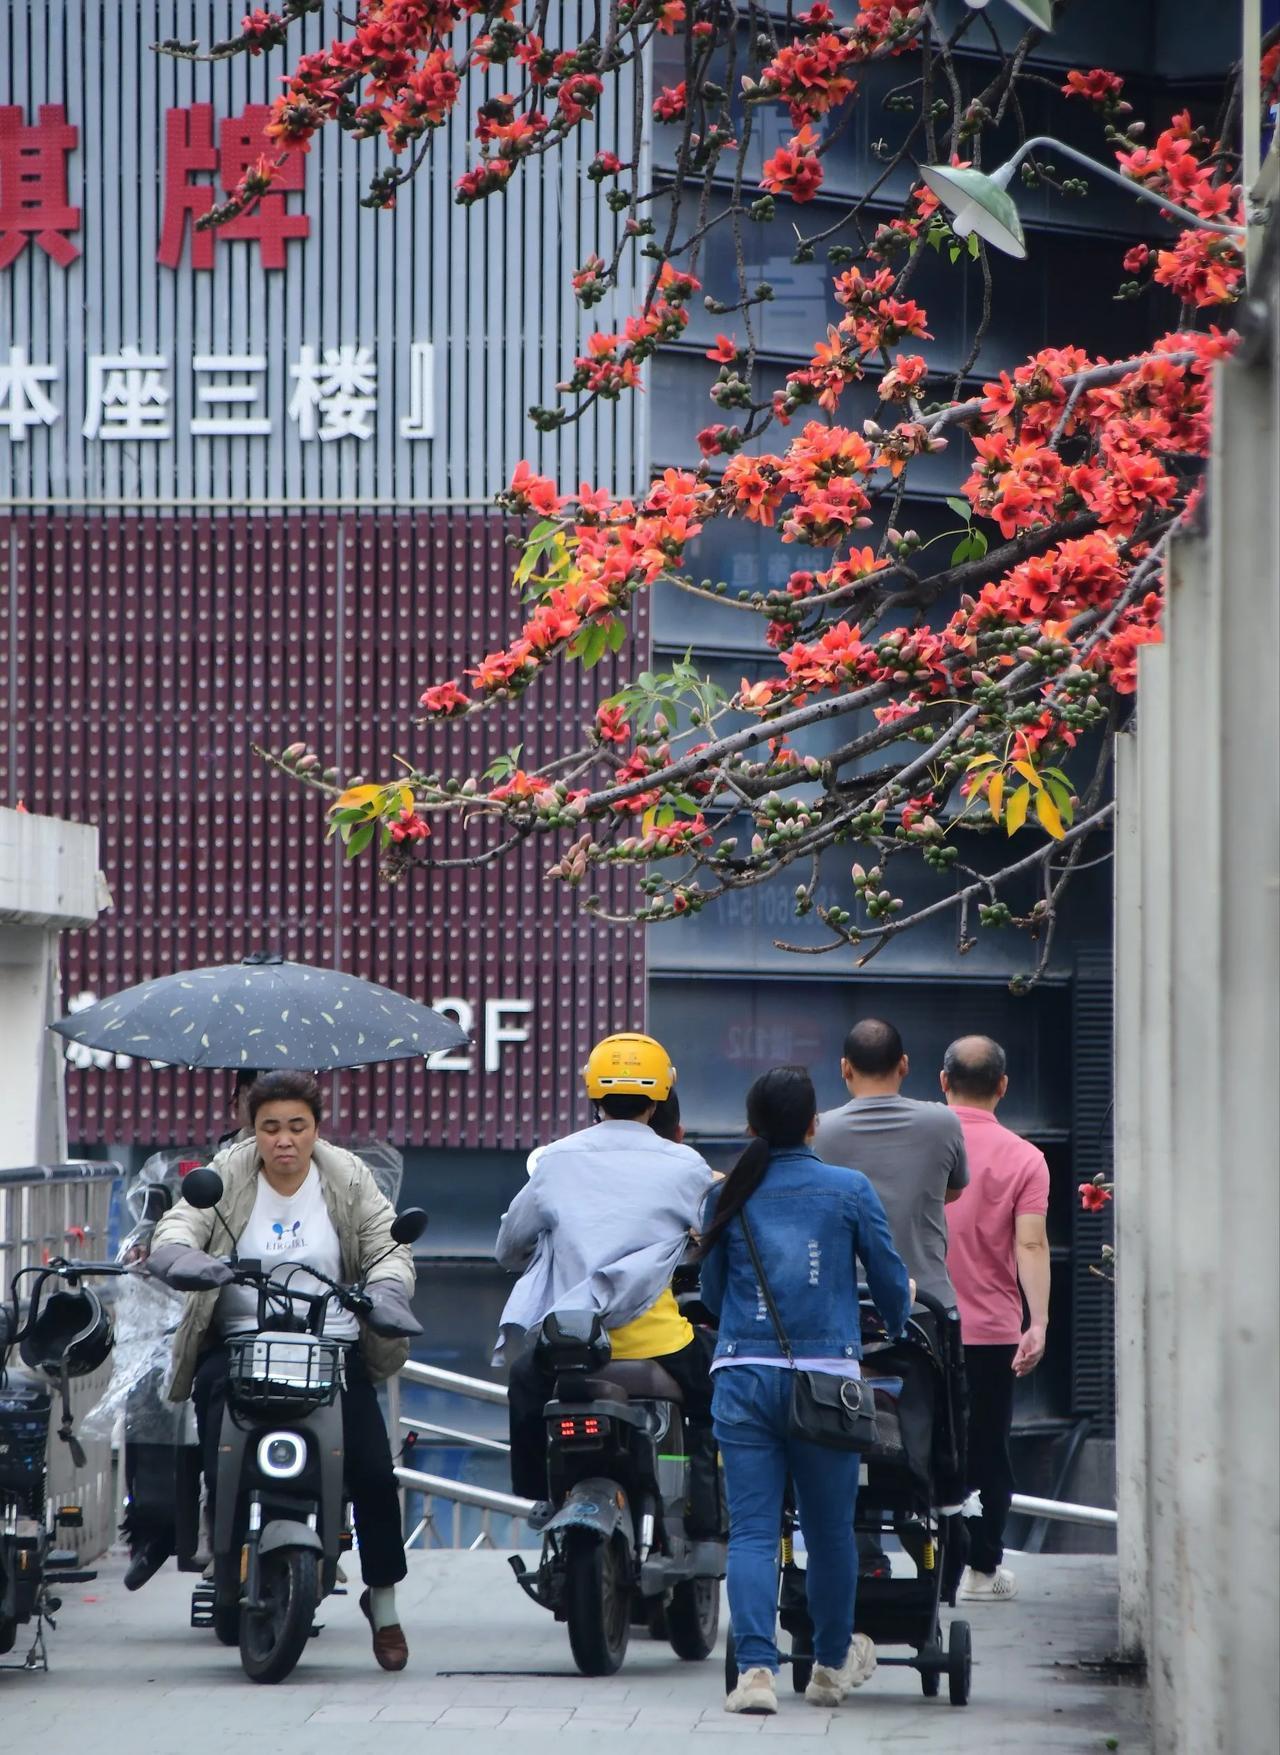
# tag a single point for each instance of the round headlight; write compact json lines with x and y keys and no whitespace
{"x":282,"y":1455}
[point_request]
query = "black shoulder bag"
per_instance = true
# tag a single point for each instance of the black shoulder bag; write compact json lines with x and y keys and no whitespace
{"x":836,"y":1412}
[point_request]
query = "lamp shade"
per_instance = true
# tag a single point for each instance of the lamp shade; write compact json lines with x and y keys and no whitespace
{"x":978,"y":203}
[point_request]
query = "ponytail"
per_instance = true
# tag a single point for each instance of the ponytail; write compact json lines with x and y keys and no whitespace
{"x":781,"y":1107}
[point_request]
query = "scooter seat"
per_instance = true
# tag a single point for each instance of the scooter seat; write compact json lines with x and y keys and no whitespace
{"x":641,"y":1380}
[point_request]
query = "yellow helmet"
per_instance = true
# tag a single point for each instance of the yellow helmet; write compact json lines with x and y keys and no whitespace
{"x":629,"y":1066}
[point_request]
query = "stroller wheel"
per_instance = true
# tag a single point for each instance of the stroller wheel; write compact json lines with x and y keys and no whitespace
{"x":959,"y":1663}
{"x":931,"y":1661}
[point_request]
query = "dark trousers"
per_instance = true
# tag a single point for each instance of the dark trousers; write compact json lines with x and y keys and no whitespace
{"x":989,"y":1371}
{"x":369,"y":1472}
{"x":530,"y":1386}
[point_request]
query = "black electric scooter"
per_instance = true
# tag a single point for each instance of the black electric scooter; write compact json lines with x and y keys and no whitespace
{"x":624,"y":1476}
{"x":281,"y":1515}
{"x":31,"y":1566}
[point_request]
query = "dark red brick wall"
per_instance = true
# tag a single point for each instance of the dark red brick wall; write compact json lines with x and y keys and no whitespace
{"x":143,"y":654}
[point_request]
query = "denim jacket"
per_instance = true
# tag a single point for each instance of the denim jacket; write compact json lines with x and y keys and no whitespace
{"x":811,"y":1221}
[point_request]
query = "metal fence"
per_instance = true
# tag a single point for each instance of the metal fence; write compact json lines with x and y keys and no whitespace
{"x":64,"y":1209}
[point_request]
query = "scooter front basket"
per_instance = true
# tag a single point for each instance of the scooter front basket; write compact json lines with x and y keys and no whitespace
{"x":283,"y":1371}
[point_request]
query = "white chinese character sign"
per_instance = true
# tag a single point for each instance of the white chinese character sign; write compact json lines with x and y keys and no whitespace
{"x":143,"y":348}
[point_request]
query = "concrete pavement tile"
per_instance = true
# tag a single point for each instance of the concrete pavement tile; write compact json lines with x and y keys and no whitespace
{"x":343,"y":1713}
{"x":814,"y":1721}
{"x":729,"y":1724}
{"x":410,"y":1712}
{"x":536,"y":1718}
{"x":479,"y":1718}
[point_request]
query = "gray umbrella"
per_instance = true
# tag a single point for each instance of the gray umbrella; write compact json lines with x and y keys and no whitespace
{"x":263,"y":1013}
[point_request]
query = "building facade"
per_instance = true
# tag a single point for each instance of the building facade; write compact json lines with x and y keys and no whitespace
{"x":247,"y":497}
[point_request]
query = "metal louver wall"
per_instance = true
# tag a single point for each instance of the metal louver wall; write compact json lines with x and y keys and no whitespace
{"x":487,"y":288}
{"x":143,"y":656}
{"x":1093,"y":1389}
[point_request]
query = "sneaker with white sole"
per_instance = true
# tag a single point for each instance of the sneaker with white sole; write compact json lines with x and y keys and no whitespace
{"x":1000,"y":1586}
{"x":828,"y":1687}
{"x":755,"y":1692}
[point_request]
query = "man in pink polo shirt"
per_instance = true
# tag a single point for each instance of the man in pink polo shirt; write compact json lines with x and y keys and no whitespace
{"x":997,"y":1249}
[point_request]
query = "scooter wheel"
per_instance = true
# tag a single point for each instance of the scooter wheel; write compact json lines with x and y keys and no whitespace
{"x":730,"y":1663}
{"x":693,"y":1618}
{"x":597,"y":1600}
{"x":8,"y":1634}
{"x":273,"y":1638}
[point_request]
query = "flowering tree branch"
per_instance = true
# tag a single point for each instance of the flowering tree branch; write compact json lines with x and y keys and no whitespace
{"x":975,"y":690}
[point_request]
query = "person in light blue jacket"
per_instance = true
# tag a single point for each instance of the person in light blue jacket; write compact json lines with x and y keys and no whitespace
{"x":811,"y":1222}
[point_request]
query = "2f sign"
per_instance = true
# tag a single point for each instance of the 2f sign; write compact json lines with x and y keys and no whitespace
{"x":502,"y":1027}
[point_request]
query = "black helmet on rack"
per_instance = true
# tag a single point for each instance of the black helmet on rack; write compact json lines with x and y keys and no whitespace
{"x":70,"y":1337}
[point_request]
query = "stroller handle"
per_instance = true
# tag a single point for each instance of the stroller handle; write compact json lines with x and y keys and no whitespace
{"x":934,"y":1305}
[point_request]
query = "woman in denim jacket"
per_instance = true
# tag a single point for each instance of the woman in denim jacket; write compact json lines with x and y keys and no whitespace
{"x":810,"y":1221}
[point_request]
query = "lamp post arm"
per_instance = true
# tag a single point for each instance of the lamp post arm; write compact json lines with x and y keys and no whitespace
{"x":1128,"y":183}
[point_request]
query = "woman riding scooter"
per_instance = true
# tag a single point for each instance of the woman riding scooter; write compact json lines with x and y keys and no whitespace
{"x":292,"y":1199}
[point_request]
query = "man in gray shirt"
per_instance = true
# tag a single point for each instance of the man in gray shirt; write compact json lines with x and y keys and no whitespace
{"x":912,"y":1153}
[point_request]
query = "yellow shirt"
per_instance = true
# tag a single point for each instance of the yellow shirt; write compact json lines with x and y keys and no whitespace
{"x":656,"y":1332}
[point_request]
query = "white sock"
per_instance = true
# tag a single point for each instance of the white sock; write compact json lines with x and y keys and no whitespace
{"x":382,"y":1606}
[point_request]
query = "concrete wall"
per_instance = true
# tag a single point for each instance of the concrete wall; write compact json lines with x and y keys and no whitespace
{"x":48,"y":881}
{"x":1198,"y":1107}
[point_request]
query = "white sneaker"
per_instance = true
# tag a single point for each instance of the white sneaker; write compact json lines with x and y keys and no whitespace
{"x":999,"y":1586}
{"x":755,"y":1693}
{"x":828,"y":1687}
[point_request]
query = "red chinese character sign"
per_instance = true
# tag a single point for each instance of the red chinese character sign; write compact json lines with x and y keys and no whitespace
{"x":33,"y":184}
{"x":190,"y":153}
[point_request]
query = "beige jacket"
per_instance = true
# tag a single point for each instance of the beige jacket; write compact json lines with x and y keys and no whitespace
{"x":361,"y":1216}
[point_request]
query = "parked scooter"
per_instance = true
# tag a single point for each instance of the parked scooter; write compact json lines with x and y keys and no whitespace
{"x":60,"y":1338}
{"x":626,"y":1475}
{"x":281,"y":1514}
{"x":161,"y":1453}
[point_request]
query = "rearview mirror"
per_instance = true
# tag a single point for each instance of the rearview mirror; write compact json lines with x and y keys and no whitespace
{"x":202,"y":1188}
{"x":409,"y":1225}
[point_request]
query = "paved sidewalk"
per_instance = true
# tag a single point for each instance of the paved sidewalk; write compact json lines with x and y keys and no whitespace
{"x":491,"y":1674}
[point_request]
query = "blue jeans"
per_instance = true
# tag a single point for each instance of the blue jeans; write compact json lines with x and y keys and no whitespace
{"x":750,"y":1405}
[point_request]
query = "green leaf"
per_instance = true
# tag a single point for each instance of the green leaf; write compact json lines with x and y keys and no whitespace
{"x":592,"y":644}
{"x":979,"y":540}
{"x":975,"y":245}
{"x":617,"y":635}
{"x":1016,"y":812}
{"x":954,"y":252}
{"x":1061,"y":796}
{"x":360,"y":840}
{"x":965,"y":551}
{"x":961,"y":508}
{"x":689,"y":807}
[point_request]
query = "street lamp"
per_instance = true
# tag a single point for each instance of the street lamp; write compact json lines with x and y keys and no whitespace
{"x":979,"y":201}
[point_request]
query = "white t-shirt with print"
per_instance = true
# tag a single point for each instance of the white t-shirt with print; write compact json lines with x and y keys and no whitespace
{"x":283,"y":1231}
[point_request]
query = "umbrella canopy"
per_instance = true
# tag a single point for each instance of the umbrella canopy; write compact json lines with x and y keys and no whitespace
{"x":262,"y":1013}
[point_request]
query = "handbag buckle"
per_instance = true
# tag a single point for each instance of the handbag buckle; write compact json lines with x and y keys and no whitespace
{"x":848,"y":1385}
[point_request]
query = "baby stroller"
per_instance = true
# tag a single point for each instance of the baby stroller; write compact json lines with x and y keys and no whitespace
{"x":912,"y":1486}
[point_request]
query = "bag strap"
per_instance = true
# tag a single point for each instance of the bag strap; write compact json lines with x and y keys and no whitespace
{"x":770,"y":1306}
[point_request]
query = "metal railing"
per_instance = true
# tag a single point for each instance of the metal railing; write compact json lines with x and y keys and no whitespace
{"x":464,"y":1493}
{"x":64,"y":1209}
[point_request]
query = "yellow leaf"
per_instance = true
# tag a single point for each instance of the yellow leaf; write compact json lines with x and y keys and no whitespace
{"x":995,"y":795}
{"x":1016,"y":814}
{"x":980,"y":762}
{"x":648,"y":822}
{"x":395,"y":799}
{"x":1047,"y":811}
{"x":356,"y":795}
{"x":1029,"y":773}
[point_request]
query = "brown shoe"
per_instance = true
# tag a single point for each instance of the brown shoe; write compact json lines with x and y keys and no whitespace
{"x":389,"y":1644}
